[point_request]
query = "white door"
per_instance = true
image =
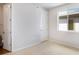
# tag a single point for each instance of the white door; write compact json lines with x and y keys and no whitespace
{"x":7,"y":27}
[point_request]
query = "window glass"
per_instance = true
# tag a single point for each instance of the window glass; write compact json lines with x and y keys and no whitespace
{"x":69,"y":20}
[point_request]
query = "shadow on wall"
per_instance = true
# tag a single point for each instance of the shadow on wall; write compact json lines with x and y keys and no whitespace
{"x":1,"y":43}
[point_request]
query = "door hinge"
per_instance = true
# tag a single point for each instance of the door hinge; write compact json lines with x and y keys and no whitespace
{"x":10,"y":6}
{"x":3,"y":32}
{"x":10,"y":19}
{"x":10,"y":32}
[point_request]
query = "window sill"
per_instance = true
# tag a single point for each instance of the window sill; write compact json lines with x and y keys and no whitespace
{"x":69,"y":31}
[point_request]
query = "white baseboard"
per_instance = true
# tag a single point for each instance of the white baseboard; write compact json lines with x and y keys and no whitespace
{"x":65,"y":43}
{"x":27,"y":46}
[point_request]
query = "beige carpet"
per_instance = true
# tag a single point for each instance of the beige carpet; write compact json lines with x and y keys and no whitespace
{"x":47,"y":48}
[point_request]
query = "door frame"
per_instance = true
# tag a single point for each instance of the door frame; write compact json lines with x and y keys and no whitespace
{"x":10,"y":18}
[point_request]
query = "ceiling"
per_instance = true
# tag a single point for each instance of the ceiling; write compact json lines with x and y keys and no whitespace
{"x":45,"y":5}
{"x":49,"y":5}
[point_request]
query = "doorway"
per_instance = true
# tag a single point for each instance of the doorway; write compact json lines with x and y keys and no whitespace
{"x":5,"y":28}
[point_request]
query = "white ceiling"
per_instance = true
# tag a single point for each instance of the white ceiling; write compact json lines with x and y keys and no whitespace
{"x":49,"y":5}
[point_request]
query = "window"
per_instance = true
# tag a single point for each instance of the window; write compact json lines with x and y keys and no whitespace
{"x":69,"y":20}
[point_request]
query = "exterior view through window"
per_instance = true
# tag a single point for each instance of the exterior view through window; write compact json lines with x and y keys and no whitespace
{"x":69,"y":20}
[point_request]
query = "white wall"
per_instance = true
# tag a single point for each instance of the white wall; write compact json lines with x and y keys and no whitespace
{"x":26,"y":20}
{"x":70,"y":38}
{"x":44,"y":24}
